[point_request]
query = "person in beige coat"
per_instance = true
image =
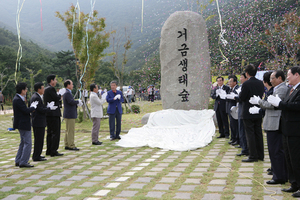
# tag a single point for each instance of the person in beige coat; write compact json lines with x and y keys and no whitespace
{"x":96,"y":112}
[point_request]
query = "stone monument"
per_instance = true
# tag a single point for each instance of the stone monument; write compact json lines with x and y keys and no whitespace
{"x":185,"y":62}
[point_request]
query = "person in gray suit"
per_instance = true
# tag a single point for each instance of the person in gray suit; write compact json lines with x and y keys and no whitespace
{"x":271,"y":126}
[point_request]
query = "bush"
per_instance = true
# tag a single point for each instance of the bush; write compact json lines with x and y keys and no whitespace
{"x":135,"y":109}
{"x":80,"y":116}
{"x":105,"y":111}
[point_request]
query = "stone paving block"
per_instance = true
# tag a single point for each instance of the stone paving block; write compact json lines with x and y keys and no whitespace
{"x":151,"y":173}
{"x":242,"y":197}
{"x":162,"y":165}
{"x":143,"y":164}
{"x":98,"y":178}
{"x":15,"y":176}
{"x":65,"y":172}
{"x":56,"y":177}
{"x":92,"y":198}
{"x":88,"y":184}
{"x":122,"y":179}
{"x":144,"y":179}
{"x":175,"y":174}
{"x":167,"y":180}
{"x":38,"y":197}
{"x":244,"y":182}
{"x":127,"y":193}
{"x":65,"y":183}
{"x":276,"y":189}
{"x":96,"y":167}
{"x":192,"y":180}
{"x":13,"y":197}
{"x":108,"y":173}
{"x":48,"y":171}
{"x":178,"y":169}
{"x":51,"y":190}
{"x":276,"y":197}
{"x":137,"y":168}
{"x":203,"y":165}
{"x":7,"y":188}
{"x":242,"y":189}
{"x":77,"y":178}
{"x":200,"y":169}
{"x":157,"y":169}
{"x":246,"y":174}
{"x":35,"y":177}
{"x":161,"y":187}
{"x":211,"y":197}
{"x":223,"y":170}
{"x":168,"y":160}
{"x":183,"y":164}
{"x":182,"y":196}
{"x":136,"y":186}
{"x":75,"y":191}
{"x":115,"y":168}
{"x":149,"y":160}
{"x":155,"y":194}
{"x":101,"y":193}
{"x":188,"y":160}
{"x":3,"y":181}
{"x":64,"y":198}
{"x":187,"y":187}
{"x":23,"y":182}
{"x":247,"y":164}
{"x":85,"y":173}
{"x":128,"y":173}
{"x":220,"y":175}
{"x":112,"y":185}
{"x":215,"y":188}
{"x":196,"y":174}
{"x":246,"y":169}
{"x":217,"y":182}
{"x":43,"y":182}
{"x":29,"y":189}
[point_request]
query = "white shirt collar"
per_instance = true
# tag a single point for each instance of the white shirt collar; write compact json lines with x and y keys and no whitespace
{"x":296,"y":85}
{"x":275,"y":88}
{"x":23,"y":98}
{"x":40,"y":95}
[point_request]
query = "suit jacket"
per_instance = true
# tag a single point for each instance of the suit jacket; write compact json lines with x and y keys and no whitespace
{"x":250,"y":88}
{"x":96,"y":105}
{"x":231,"y":102}
{"x":21,"y":114}
{"x":290,"y":107}
{"x":51,"y":95}
{"x":38,"y":117}
{"x":114,"y":104}
{"x":220,"y":103}
{"x":70,"y":105}
{"x":272,"y":117}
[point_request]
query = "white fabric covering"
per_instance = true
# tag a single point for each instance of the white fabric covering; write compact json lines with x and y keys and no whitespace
{"x":178,"y":130}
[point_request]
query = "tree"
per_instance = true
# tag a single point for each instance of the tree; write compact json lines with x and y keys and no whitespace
{"x":3,"y":83}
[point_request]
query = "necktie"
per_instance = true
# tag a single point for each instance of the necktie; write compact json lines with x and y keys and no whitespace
{"x":291,"y":91}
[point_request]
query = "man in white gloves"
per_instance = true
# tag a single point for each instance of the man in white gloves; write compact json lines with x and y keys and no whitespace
{"x":70,"y":115}
{"x":219,"y":94}
{"x":39,"y":121}
{"x":114,"y":98}
{"x":271,"y":126}
{"x":22,"y":123}
{"x":290,"y":122}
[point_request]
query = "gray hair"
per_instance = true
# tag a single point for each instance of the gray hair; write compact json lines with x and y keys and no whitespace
{"x":115,"y":82}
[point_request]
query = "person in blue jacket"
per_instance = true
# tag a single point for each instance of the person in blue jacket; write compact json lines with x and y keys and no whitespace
{"x":114,"y":99}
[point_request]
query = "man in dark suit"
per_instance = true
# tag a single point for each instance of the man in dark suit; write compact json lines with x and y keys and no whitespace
{"x":22,"y":123}
{"x":70,"y":115}
{"x":52,"y":117}
{"x":39,"y":121}
{"x":290,"y":123}
{"x":230,"y":102}
{"x":219,"y":94}
{"x":252,"y":122}
{"x":114,"y":99}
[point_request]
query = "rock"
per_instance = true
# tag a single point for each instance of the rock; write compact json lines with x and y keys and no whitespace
{"x":185,"y":74}
{"x":145,"y":118}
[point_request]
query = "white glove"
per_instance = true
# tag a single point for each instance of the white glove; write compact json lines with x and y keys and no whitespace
{"x":218,"y":92}
{"x":239,"y":90}
{"x":231,"y":96}
{"x":34,"y":104}
{"x":118,"y":96}
{"x":103,"y":96}
{"x":53,"y":107}
{"x":62,"y":91}
{"x":79,"y":103}
{"x":254,"y":110}
{"x":223,"y":94}
{"x":274,"y":100}
{"x":232,"y":108}
{"x":254,"y":100}
{"x":50,"y":104}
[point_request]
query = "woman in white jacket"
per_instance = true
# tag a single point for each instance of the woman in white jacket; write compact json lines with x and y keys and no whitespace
{"x":96,"y":112}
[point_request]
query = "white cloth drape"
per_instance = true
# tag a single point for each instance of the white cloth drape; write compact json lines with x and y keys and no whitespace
{"x":178,"y":130}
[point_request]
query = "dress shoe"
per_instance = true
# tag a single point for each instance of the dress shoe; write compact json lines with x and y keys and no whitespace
{"x":57,"y":154}
{"x":242,"y":154}
{"x":42,"y":156}
{"x":26,"y":165}
{"x":296,"y":194}
{"x":73,"y":149}
{"x":273,"y":182}
{"x":226,"y":137}
{"x":270,"y":173}
{"x":111,"y":139}
{"x":118,"y":138}
{"x":230,"y":142}
{"x":67,"y":148}
{"x":291,"y":189}
{"x":234,"y":143}
{"x":17,"y":164}
{"x":97,"y":143}
{"x":41,"y":159}
{"x":269,"y":169}
{"x":238,"y":146}
{"x":250,"y":160}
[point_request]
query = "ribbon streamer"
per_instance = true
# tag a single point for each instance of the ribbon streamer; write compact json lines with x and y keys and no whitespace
{"x":74,"y":19}
{"x":142,"y":15}
{"x":41,"y":15}
{"x":19,"y":54}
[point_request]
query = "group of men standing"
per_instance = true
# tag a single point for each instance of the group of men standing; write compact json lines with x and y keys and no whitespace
{"x":280,"y":111}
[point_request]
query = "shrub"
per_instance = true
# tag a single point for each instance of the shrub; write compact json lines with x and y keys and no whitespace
{"x":80,"y":116}
{"x":135,"y":109}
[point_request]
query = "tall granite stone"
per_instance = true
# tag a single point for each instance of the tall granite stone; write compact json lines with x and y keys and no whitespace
{"x":185,"y":62}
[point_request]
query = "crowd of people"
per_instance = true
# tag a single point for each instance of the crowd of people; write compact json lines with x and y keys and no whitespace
{"x":44,"y":111}
{"x":273,"y":105}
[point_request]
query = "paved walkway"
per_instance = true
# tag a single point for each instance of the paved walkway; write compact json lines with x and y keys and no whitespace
{"x":109,"y":172}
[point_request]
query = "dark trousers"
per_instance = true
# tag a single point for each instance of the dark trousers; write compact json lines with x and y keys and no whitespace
{"x":39,"y":133}
{"x":24,"y":150}
{"x":234,"y":126}
{"x":1,"y":103}
{"x":112,"y":117}
{"x":53,"y":135}
{"x":222,"y":119}
{"x":242,"y":137}
{"x":277,"y":157}
{"x":254,"y":138}
{"x":292,"y":156}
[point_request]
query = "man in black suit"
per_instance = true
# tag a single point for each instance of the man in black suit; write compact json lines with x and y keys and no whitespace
{"x":230,"y":102}
{"x":252,"y":122}
{"x":290,"y":123}
{"x":22,"y":123}
{"x":39,"y":121}
{"x":219,"y":94}
{"x":52,"y":117}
